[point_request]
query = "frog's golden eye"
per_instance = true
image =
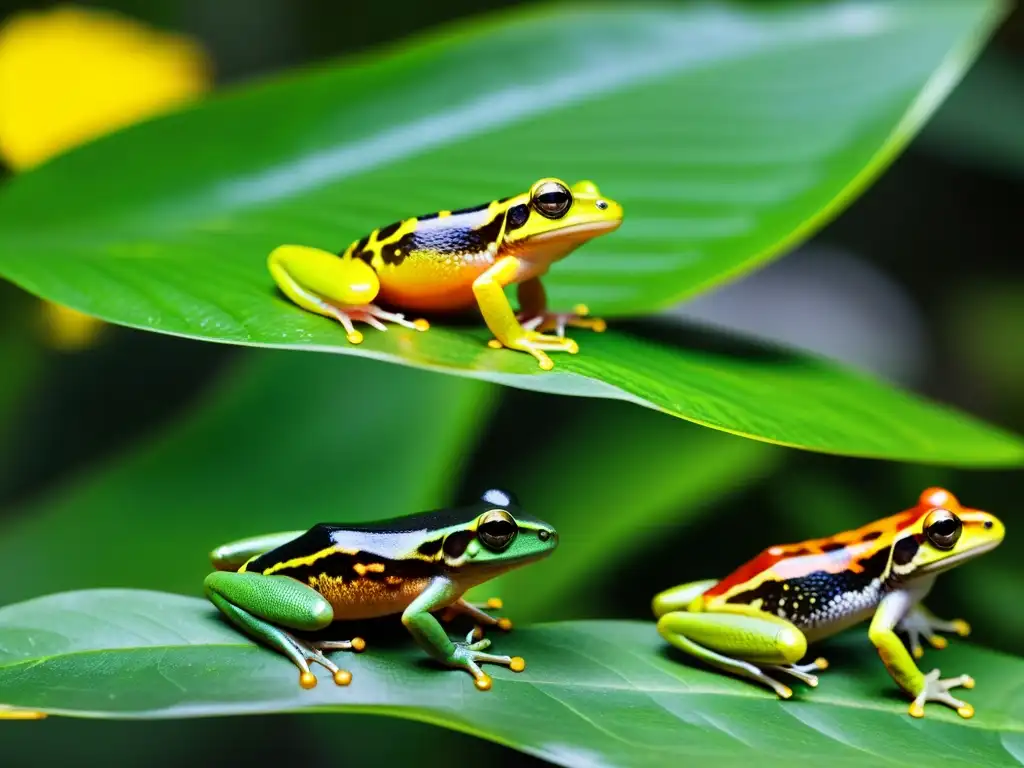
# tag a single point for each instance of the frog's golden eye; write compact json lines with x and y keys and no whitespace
{"x":496,"y":530}
{"x":943,"y":528}
{"x":551,"y":199}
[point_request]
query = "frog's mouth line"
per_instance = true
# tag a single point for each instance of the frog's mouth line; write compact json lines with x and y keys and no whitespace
{"x":967,"y":554}
{"x":587,"y":228}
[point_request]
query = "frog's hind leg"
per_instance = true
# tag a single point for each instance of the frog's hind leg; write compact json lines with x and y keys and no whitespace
{"x":334,"y":286}
{"x":760,"y":640}
{"x":679,"y":598}
{"x":262,"y":606}
{"x":232,"y":556}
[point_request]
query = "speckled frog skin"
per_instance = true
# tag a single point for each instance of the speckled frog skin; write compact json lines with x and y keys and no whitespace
{"x":762,"y":616}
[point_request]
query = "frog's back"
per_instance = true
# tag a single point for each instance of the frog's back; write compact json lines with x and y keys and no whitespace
{"x":429,"y":262}
{"x":819,"y":584}
{"x":362,"y":573}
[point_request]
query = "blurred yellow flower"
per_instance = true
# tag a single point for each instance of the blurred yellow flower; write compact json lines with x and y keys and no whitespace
{"x":70,"y":75}
{"x":68,"y":329}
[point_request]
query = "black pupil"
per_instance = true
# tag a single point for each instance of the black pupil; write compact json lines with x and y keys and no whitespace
{"x":553,"y":201}
{"x":499,"y":530}
{"x":944,"y":528}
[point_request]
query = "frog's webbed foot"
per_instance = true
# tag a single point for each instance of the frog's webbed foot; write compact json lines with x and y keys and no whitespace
{"x":557,"y":321}
{"x":305,"y":653}
{"x":538,"y":344}
{"x":938,"y":690}
{"x":373,"y":316}
{"x":469,"y":655}
{"x":476,"y":612}
{"x":803,"y":671}
{"x":921,"y":623}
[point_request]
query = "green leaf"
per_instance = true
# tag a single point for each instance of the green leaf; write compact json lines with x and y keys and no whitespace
{"x":285,"y":442}
{"x":728,"y":132}
{"x":613,"y":505}
{"x":593,"y":693}
{"x":723,"y":381}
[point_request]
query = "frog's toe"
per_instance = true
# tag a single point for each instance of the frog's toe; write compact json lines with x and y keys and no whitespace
{"x":803,"y":672}
{"x":961,"y":627}
{"x":356,"y":644}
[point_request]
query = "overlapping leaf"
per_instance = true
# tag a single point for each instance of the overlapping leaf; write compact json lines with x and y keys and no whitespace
{"x":593,"y":693}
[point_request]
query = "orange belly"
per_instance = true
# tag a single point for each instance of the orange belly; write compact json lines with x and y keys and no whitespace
{"x":367,"y":598}
{"x":432,"y":283}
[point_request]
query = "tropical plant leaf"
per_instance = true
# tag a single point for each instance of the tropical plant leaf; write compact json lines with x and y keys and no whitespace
{"x":728,"y":132}
{"x":283,"y":443}
{"x":593,"y":693}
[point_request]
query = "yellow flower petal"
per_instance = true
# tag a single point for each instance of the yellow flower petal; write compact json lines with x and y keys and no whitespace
{"x":70,"y":75}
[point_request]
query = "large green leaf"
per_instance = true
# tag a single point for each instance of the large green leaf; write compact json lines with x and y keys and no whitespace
{"x":593,"y":693}
{"x":728,"y":132}
{"x":286,"y":441}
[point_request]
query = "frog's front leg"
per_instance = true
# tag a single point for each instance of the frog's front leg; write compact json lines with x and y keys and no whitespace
{"x":741,"y":644}
{"x":429,"y":633}
{"x":501,"y":320}
{"x":901,"y":666}
{"x":534,"y":314}
{"x":342,"y":288}
{"x":261,"y":605}
{"x":922,"y":623}
{"x":476,"y":612}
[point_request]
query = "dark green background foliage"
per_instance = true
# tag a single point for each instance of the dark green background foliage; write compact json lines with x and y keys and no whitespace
{"x":122,"y":466}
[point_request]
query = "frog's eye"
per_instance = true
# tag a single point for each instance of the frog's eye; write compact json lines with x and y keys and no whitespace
{"x":496,"y":530}
{"x":551,"y":199}
{"x":943,"y":528}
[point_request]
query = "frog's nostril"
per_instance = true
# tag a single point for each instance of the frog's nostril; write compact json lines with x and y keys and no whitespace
{"x":543,"y":535}
{"x":601,"y":205}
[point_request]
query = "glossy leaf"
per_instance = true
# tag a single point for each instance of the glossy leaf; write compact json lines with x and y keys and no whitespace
{"x":593,"y":693}
{"x":631,"y":478}
{"x":283,"y":443}
{"x":728,"y":133}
